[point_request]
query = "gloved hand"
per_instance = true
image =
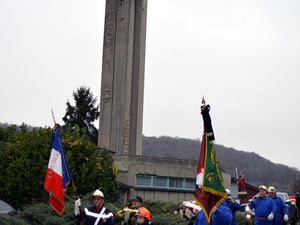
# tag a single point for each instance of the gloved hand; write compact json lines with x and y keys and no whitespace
{"x":270,"y":216}
{"x":286,"y":218}
{"x":230,"y":199}
{"x":76,"y":209}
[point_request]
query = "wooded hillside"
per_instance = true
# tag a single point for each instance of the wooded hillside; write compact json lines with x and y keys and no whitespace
{"x":257,"y":170}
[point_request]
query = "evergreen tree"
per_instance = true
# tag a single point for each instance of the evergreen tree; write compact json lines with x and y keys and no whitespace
{"x":84,"y":113}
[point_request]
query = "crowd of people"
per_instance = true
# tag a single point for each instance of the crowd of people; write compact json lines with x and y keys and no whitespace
{"x":133,"y":214}
{"x":223,"y":215}
{"x":271,"y":210}
{"x":268,"y":207}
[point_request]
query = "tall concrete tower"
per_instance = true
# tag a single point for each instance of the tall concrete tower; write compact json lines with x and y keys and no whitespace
{"x":122,"y":84}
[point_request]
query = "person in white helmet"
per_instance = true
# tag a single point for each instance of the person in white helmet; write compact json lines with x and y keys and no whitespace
{"x":264,"y":206}
{"x":233,"y":205}
{"x":280,"y":205}
{"x":96,"y":214}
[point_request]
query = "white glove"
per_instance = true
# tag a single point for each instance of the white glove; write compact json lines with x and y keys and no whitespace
{"x":286,"y":218}
{"x":76,"y":209}
{"x":270,"y":216}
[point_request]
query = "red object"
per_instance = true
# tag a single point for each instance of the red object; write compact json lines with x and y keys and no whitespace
{"x":206,"y":200}
{"x":292,"y":198}
{"x":54,"y":185}
{"x":57,"y":174}
{"x":242,"y":183}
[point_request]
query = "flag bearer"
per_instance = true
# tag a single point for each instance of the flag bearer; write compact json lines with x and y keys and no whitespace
{"x":97,"y":214}
{"x":221,"y":216}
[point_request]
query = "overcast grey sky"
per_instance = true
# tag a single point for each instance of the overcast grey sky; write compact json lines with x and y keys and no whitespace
{"x":243,"y":56}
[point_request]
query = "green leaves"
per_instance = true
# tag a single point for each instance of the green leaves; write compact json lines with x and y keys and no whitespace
{"x":24,"y":156}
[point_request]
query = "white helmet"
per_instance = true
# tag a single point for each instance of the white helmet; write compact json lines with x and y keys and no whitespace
{"x":271,"y":189}
{"x":227,"y":191}
{"x":263,"y":187}
{"x":98,"y":193}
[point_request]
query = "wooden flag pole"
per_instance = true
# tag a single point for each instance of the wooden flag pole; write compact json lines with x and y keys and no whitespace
{"x":56,"y":125}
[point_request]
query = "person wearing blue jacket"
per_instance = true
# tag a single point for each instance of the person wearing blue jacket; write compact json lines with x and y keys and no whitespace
{"x":221,"y":216}
{"x":233,"y":205}
{"x":264,"y":207}
{"x":280,"y":205}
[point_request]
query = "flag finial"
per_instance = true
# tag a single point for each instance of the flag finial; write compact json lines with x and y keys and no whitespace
{"x":203,"y":103}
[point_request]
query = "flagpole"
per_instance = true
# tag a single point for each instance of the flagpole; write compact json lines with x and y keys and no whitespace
{"x":57,"y":126}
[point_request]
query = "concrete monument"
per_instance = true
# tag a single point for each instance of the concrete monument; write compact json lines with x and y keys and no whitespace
{"x":122,"y":85}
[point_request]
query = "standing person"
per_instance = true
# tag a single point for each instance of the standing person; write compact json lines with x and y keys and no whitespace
{"x":264,"y":206}
{"x":189,"y":210}
{"x":292,"y":210}
{"x":280,"y":205}
{"x":126,"y":214}
{"x":96,"y":214}
{"x":136,"y":203}
{"x":298,"y":203}
{"x":233,"y":205}
{"x":143,"y":216}
{"x":221,"y":216}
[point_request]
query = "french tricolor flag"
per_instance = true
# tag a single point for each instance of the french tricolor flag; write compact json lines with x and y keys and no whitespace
{"x":57,"y":174}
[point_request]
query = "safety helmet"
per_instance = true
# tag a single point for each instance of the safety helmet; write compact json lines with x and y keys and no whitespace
{"x":191,"y":204}
{"x":227,"y":191}
{"x":263,"y":187}
{"x":271,"y":189}
{"x":98,"y":193}
{"x":144,"y":213}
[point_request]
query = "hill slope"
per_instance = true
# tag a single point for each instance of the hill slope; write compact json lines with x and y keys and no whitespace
{"x":257,"y":169}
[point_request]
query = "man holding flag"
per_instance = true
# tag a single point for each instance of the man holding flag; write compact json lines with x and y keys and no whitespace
{"x":57,"y":174}
{"x":210,"y":191}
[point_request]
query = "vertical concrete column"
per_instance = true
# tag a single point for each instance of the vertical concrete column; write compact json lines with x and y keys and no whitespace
{"x":122,"y":84}
{"x":137,"y":94}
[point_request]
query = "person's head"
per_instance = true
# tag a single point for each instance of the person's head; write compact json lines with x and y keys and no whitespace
{"x":98,"y":198}
{"x":142,"y":215}
{"x":262,"y":191}
{"x":137,"y":202}
{"x":271,"y":191}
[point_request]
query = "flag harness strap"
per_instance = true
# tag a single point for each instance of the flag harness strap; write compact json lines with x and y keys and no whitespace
{"x":99,"y":216}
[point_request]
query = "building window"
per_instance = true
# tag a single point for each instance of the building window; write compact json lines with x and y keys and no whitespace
{"x":190,"y":183}
{"x":142,"y":180}
{"x":160,"y":181}
{"x":165,"y":182}
{"x":176,"y":182}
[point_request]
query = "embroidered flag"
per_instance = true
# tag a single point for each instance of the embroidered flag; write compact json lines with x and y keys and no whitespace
{"x":210,"y":191}
{"x":57,"y":174}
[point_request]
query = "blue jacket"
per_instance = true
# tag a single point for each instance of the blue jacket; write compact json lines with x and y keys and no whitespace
{"x":263,"y":207}
{"x":281,"y":210}
{"x":233,"y":206}
{"x":221,"y":216}
{"x":91,"y":216}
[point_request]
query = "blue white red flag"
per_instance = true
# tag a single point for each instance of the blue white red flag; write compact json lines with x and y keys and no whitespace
{"x":57,"y":174}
